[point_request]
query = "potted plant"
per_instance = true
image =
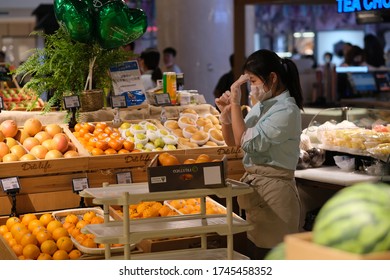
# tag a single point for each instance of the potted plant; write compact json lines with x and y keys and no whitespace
{"x":69,"y":67}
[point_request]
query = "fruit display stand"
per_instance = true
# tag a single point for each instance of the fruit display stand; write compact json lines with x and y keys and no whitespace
{"x":299,"y":246}
{"x":133,"y":231}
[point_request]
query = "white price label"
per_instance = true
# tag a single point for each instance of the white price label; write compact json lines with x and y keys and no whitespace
{"x":80,"y":184}
{"x":162,"y":99}
{"x":10,"y":184}
{"x":124,"y":178}
{"x":118,"y":101}
{"x":71,"y":102}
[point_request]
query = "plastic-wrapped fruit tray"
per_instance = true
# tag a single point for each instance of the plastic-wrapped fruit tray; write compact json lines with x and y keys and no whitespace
{"x":79,"y":212}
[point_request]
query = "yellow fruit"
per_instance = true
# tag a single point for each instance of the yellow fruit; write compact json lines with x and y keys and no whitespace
{"x":74,"y":254}
{"x":44,"y":256}
{"x":59,"y":232}
{"x":60,"y":255}
{"x":11,"y":221}
{"x":51,"y":226}
{"x":46,"y":219}
{"x":27,"y":218}
{"x":31,"y":251}
{"x":49,"y":247}
{"x":65,"y":243}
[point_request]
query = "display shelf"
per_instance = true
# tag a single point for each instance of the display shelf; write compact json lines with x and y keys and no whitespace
{"x":189,"y":254}
{"x":133,"y":231}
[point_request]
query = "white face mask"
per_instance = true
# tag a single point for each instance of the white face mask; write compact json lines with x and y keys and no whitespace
{"x":258,"y":93}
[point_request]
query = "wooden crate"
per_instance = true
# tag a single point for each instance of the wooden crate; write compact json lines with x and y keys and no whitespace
{"x":299,"y":246}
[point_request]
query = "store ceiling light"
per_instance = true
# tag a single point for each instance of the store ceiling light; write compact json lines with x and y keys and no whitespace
{"x":308,"y":34}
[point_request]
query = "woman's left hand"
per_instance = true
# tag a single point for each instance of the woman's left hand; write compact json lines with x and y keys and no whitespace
{"x":235,"y":89}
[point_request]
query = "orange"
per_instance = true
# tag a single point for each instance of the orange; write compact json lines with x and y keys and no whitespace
{"x":76,"y":134}
{"x":97,"y":152}
{"x":80,"y":238}
{"x":49,"y":247}
{"x":67,"y":225}
{"x":22,"y":257}
{"x":17,"y":227}
{"x":101,"y":125}
{"x":97,"y":220}
{"x":31,"y":251}
{"x":43,"y":235}
{"x":20,"y":234}
{"x":83,"y":131}
{"x":97,"y":131}
{"x":53,"y":225}
{"x":38,"y":229}
{"x":123,"y":151}
{"x":115,"y":144}
{"x":108,"y":130}
{"x":189,"y":161}
{"x":203,"y":158}
{"x":88,"y":216}
{"x":65,"y":243}
{"x":18,"y":249}
{"x":92,"y":141}
{"x":46,"y":219}
{"x":89,"y":243}
{"x":70,"y":228}
{"x":75,"y":231}
{"x":89,"y":148}
{"x":101,"y":144}
{"x":71,"y":218}
{"x":44,"y":256}
{"x":88,"y":136}
{"x":128,"y":145}
{"x":81,"y":224}
{"x":115,"y":135}
{"x":59,"y":232}
{"x":89,"y":126}
{"x":12,"y":242}
{"x":3,"y":229}
{"x":28,"y":238}
{"x":74,"y":254}
{"x":27,"y":218}
{"x":33,"y":224}
{"x":103,"y":136}
{"x":11,"y":221}
{"x":77,"y":127}
{"x":110,"y":151}
{"x":7,"y":236}
{"x":60,"y":255}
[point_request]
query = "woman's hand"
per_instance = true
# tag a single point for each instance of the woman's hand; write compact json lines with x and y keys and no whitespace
{"x":223,"y":104}
{"x":235,"y":89}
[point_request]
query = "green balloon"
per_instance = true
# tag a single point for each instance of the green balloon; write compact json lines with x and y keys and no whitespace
{"x":117,"y":25}
{"x":76,"y":15}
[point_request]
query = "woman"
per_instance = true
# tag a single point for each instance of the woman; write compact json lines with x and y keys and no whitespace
{"x":149,"y":61}
{"x":269,"y":136}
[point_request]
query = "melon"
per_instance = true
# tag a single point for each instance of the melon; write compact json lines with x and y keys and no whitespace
{"x":356,"y":219}
{"x":277,"y":252}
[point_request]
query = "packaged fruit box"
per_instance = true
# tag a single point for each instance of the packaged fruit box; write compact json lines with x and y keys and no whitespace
{"x":76,"y":219}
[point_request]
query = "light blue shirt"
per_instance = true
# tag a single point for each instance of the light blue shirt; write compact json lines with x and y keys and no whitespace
{"x":273,"y":133}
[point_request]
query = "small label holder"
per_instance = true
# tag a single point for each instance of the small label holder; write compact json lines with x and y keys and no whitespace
{"x":118,"y":101}
{"x":79,"y":184}
{"x":71,"y":102}
{"x":10,"y":185}
{"x":162,"y":99}
{"x":124,"y":178}
{"x":1,"y":103}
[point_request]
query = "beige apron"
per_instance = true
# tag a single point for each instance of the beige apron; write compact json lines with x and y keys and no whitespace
{"x":274,"y":207}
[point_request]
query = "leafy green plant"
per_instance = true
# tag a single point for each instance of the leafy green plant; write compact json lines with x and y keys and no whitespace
{"x":67,"y":67}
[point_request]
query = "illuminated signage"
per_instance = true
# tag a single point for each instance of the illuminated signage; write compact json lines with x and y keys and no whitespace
{"x":349,"y":6}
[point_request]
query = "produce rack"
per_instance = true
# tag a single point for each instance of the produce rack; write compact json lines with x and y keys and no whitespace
{"x":133,"y":231}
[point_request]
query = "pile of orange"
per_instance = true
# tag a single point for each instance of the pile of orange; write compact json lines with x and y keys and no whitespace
{"x":192,"y":206}
{"x":42,"y":238}
{"x":101,"y":139}
{"x":166,"y":159}
{"x":74,"y":224}
{"x":149,"y":209}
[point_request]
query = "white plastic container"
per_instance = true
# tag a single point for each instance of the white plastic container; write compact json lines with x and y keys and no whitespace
{"x":184,"y":97}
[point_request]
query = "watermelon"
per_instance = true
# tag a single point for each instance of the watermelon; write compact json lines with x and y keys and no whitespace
{"x":277,"y":252}
{"x":356,"y":219}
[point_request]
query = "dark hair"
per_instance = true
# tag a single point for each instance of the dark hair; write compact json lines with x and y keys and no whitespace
{"x":231,"y":60}
{"x":355,"y":56}
{"x":151,"y":58}
{"x":170,"y":50}
{"x":263,"y":62}
{"x":373,"y":49}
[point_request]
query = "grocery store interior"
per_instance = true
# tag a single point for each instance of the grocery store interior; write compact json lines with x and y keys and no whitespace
{"x":345,"y":136}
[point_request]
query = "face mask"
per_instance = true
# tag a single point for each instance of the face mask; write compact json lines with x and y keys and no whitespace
{"x":258,"y":93}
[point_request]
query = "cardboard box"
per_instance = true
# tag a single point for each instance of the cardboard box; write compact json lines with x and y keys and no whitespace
{"x":6,"y":253}
{"x":186,"y":176}
{"x":299,"y":246}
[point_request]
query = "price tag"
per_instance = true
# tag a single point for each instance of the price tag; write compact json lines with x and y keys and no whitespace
{"x":80,"y":184}
{"x":10,"y":184}
{"x":72,"y":101}
{"x":124,"y":178}
{"x":1,"y":103}
{"x":162,"y":99}
{"x":118,"y":101}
